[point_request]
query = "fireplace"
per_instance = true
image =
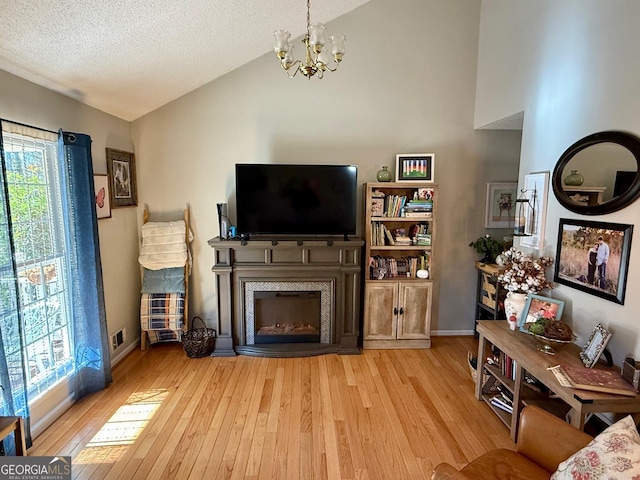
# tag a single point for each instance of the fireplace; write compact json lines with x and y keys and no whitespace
{"x":286,"y":317}
{"x":286,"y":298}
{"x":279,"y":312}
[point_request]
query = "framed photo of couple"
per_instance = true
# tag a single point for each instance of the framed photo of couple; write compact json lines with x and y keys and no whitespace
{"x":594,"y":257}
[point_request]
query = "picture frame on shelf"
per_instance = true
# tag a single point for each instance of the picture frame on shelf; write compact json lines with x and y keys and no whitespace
{"x":584,"y":246}
{"x":595,"y":346}
{"x":121,"y":167}
{"x":500,"y":208}
{"x":536,"y":190}
{"x":103,"y":200}
{"x":537,"y":307}
{"x":425,"y":193}
{"x":415,"y":167}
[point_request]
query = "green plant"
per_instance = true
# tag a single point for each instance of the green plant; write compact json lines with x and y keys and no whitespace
{"x":488,"y":247}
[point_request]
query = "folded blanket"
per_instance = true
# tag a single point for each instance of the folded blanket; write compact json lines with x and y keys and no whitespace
{"x":162,"y":311}
{"x":166,"y":280}
{"x":156,"y":336}
{"x":163,"y":245}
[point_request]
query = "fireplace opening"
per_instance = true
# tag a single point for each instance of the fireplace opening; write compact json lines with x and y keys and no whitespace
{"x":287,"y":317}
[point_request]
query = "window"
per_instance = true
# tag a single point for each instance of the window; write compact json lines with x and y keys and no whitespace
{"x":36,"y":215}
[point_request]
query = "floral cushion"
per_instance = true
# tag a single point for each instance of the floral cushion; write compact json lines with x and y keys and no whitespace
{"x":612,"y":455}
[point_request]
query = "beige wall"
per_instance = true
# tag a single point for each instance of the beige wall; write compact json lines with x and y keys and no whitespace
{"x":571,"y":66}
{"x":28,"y":103}
{"x":407,"y":85}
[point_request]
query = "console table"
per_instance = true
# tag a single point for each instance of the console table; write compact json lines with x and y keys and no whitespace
{"x":523,"y":351}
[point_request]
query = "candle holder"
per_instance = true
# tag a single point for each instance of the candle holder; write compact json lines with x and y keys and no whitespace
{"x":525,"y":219}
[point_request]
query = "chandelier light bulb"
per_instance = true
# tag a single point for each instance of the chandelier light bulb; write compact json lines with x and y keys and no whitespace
{"x":337,"y":46}
{"x":282,"y":42}
{"x":288,"y":60}
{"x":316,"y":36}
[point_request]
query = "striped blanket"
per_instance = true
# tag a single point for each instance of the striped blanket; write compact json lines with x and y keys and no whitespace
{"x":162,"y":311}
{"x":156,"y":336}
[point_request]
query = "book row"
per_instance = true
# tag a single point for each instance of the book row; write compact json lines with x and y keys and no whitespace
{"x":505,"y":363}
{"x":417,"y":235}
{"x":394,"y":206}
{"x":389,"y":267}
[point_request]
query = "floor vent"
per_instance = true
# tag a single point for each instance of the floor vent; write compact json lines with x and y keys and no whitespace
{"x":117,"y":339}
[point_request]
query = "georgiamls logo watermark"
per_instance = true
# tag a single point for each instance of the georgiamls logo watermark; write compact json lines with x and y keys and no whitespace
{"x":35,"y":468}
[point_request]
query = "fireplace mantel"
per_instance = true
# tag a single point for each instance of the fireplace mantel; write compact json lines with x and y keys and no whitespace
{"x":238,"y":264}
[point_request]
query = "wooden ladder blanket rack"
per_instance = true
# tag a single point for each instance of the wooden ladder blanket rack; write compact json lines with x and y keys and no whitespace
{"x":164,"y":309}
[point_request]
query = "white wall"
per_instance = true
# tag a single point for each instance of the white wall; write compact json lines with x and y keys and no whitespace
{"x":572,"y":67}
{"x":407,"y":85}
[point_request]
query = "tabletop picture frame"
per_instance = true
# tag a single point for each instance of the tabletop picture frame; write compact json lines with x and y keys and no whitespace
{"x":595,"y":346}
{"x":121,"y":167}
{"x":415,"y":167}
{"x":537,"y":307}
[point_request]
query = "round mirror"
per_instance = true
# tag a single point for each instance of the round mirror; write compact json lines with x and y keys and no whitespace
{"x":599,"y":173}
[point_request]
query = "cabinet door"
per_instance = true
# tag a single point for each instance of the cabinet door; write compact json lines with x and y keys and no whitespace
{"x":415,"y":301}
{"x":379,"y":301}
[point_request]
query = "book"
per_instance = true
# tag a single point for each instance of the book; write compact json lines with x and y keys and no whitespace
{"x":501,"y":404}
{"x":596,"y":380}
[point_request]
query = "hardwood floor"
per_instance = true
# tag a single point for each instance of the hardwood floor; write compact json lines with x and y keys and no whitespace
{"x":385,"y":414}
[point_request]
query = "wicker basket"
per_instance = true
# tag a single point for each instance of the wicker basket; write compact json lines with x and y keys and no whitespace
{"x":199,"y":342}
{"x":474,"y":372}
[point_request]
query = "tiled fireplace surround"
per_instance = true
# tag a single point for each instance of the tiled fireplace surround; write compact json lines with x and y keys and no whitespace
{"x":330,"y":267}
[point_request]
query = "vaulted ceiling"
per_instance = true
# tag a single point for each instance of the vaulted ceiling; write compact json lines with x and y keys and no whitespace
{"x":129,"y":57}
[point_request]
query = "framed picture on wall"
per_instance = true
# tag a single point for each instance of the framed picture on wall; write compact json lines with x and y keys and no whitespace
{"x":594,"y":257}
{"x":103,"y":201}
{"x":414,"y":167}
{"x":500,"y":209}
{"x":536,"y":190}
{"x":121,"y":167}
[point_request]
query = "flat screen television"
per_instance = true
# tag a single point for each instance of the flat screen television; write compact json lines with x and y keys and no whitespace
{"x":283,"y":199}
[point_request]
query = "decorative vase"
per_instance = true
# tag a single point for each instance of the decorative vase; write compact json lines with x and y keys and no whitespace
{"x":514,"y":304}
{"x":574,"y":179}
{"x":384,"y":175}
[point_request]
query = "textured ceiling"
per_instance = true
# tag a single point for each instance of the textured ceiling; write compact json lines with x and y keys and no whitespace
{"x":129,"y":57}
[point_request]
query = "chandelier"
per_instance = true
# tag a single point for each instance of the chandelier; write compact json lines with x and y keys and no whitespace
{"x":316,"y":59}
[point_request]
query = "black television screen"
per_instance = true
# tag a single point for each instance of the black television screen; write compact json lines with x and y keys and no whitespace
{"x":281,"y":199}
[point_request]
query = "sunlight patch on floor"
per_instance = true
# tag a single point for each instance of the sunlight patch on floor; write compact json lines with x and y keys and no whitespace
{"x":123,"y":428}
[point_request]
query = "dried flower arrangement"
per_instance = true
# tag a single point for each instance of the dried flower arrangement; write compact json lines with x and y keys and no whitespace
{"x":523,"y":273}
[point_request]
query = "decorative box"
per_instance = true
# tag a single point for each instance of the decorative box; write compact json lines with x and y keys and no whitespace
{"x":631,"y":372}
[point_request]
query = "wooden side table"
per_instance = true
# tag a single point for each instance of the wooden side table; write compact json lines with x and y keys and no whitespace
{"x":15,"y":425}
{"x":528,"y":359}
{"x":489,"y":293}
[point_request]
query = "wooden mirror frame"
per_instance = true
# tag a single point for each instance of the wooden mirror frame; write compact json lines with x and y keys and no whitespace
{"x":627,"y":140}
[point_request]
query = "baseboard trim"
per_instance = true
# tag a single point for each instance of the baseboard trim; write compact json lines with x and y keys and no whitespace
{"x":53,"y":415}
{"x":126,"y":351}
{"x":451,"y":333}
